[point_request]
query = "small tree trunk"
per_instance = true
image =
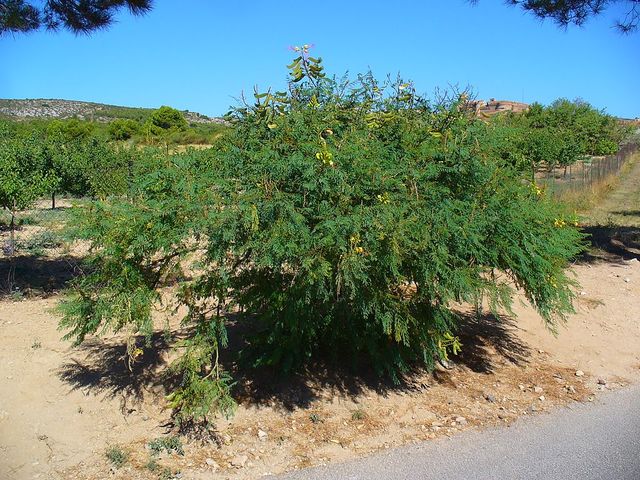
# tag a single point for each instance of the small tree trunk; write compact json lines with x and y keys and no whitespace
{"x":53,"y":200}
{"x":12,"y":235}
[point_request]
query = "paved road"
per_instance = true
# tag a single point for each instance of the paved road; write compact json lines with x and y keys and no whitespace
{"x":598,"y":441}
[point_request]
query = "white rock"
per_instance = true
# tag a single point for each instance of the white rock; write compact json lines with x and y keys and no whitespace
{"x":262,"y":435}
{"x":537,"y":389}
{"x":239,"y":461}
{"x":461,"y":420}
{"x":212,"y":463}
{"x":579,"y":373}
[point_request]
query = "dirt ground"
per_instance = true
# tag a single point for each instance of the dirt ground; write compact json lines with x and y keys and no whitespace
{"x":62,"y":407}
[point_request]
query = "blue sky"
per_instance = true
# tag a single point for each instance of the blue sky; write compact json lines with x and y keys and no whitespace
{"x":200,"y":54}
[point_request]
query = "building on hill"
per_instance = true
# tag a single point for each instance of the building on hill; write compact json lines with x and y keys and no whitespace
{"x":486,"y":109}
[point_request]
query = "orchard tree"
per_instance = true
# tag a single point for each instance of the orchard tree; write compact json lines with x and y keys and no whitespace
{"x":23,"y":176}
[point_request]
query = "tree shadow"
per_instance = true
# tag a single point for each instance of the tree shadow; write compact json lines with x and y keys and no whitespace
{"x":627,"y":213}
{"x":33,"y":275}
{"x":105,"y":368}
{"x":487,"y":342}
{"x":488,"y":339}
{"x":611,"y":243}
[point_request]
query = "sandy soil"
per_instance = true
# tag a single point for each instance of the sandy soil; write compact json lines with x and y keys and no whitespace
{"x":62,"y":407}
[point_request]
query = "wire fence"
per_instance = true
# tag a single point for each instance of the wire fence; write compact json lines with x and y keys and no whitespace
{"x":34,"y":257}
{"x":585,"y":174}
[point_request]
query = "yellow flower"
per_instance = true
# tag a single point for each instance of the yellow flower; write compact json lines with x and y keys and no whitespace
{"x":383,"y":198}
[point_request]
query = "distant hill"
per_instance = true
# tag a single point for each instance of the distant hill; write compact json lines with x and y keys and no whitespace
{"x":40,"y":108}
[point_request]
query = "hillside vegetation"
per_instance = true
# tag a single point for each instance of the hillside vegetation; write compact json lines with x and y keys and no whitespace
{"x":49,"y":109}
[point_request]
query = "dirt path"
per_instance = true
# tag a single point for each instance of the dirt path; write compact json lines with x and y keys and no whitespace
{"x":61,"y":407}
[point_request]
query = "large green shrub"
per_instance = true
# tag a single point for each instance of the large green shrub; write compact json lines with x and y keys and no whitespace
{"x":345,"y":219}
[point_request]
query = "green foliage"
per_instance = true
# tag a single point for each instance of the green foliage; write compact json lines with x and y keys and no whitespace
{"x":123,"y":129}
{"x":358,"y":414}
{"x":78,"y":17}
{"x":166,"y":444}
{"x":344,"y":219}
{"x":70,"y":130}
{"x":23,"y":174}
{"x":117,"y":456}
{"x":557,"y":135}
{"x":166,"y":118}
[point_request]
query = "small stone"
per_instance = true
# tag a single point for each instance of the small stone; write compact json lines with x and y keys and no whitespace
{"x":627,"y":280}
{"x":602,"y":381}
{"x":490,"y":398}
{"x":212,"y":463}
{"x":262,"y":435}
{"x":537,"y":389}
{"x":583,"y":293}
{"x":541,"y":398}
{"x":239,"y":461}
{"x":579,"y":373}
{"x":461,"y":420}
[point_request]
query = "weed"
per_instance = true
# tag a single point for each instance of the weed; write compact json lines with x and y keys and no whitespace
{"x":38,"y":243}
{"x":168,"y":444}
{"x":166,"y":474}
{"x":36,"y":344}
{"x":358,"y":414}
{"x":315,"y":418}
{"x":152,"y":465}
{"x":117,"y":456}
{"x":16,"y":295}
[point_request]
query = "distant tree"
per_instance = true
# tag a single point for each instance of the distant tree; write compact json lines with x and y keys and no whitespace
{"x":68,"y":130}
{"x":163,"y":123}
{"x":78,"y":16}
{"x":123,"y":129}
{"x":167,"y":118}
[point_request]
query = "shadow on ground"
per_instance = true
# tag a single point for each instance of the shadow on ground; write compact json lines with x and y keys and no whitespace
{"x":105,"y":369}
{"x":487,"y":342}
{"x":33,"y":275}
{"x":611,"y":243}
